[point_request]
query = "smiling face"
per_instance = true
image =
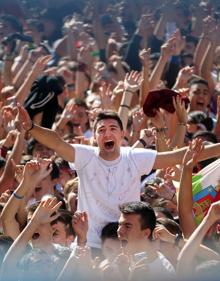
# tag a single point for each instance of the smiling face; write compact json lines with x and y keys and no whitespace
{"x":108,"y":136}
{"x":199,"y":96}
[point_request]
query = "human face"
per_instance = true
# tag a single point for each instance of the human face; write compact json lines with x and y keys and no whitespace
{"x":199,"y":96}
{"x":80,"y":117}
{"x":60,"y":236}
{"x":42,"y":237}
{"x":43,"y":188}
{"x":129,"y":229}
{"x":108,"y":136}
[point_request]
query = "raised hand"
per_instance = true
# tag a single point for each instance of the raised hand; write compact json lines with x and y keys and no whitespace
{"x":184,"y":75}
{"x":180,"y":110}
{"x":161,"y":233}
{"x":144,"y":56}
{"x":214,"y":212}
{"x":24,"y":118}
{"x":46,"y":212}
{"x":10,"y":138}
{"x":41,"y":64}
{"x":192,"y":154}
{"x":138,"y":119}
{"x":80,"y":226}
{"x":105,"y":96}
{"x":36,"y":170}
{"x":133,"y":81}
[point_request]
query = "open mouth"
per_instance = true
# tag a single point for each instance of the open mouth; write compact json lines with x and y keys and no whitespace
{"x":38,"y":189}
{"x":35,"y":236}
{"x":200,"y":104}
{"x":109,"y":144}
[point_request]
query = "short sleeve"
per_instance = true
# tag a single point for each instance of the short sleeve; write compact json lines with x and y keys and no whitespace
{"x":144,"y":159}
{"x":83,"y":154}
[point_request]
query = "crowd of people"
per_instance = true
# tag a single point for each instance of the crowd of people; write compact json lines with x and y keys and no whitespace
{"x":109,"y":140}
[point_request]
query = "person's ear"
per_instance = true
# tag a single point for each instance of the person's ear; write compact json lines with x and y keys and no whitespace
{"x":147,"y":233}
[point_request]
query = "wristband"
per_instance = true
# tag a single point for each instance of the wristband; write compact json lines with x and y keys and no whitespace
{"x":126,"y":106}
{"x":178,"y":237}
{"x":160,"y":130}
{"x":32,"y":126}
{"x":129,"y":91}
{"x":17,"y":196}
{"x":81,"y":244}
{"x":143,"y":142}
{"x":182,"y":124}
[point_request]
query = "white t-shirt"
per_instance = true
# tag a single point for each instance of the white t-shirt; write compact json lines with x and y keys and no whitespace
{"x":159,"y":269}
{"x":103,"y":185}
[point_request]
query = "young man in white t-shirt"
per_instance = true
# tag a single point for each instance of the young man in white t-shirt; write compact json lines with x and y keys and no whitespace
{"x":109,"y":174}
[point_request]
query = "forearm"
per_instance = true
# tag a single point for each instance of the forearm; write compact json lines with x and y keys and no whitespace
{"x":7,"y":75}
{"x":7,"y":178}
{"x":145,"y":85}
{"x":10,"y":210}
{"x":161,"y":139}
{"x":190,"y":249}
{"x":157,"y":72}
{"x":178,"y":140}
{"x":160,"y":28}
{"x":80,"y":84}
{"x":201,"y":49}
{"x":207,"y":64}
{"x":185,"y":202}
{"x":25,"y":88}
{"x":172,"y":158}
{"x":21,"y":75}
{"x":125,"y":107}
{"x":17,"y":250}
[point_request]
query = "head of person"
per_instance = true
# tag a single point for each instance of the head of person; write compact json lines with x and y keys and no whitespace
{"x":199,"y":95}
{"x":79,"y":111}
{"x":46,"y":185}
{"x":63,"y":233}
{"x":136,"y":223}
{"x":8,"y":25}
{"x":65,"y":173}
{"x":110,"y":241}
{"x":37,"y":149}
{"x":169,"y":250}
{"x":108,"y":134}
{"x":199,"y":121}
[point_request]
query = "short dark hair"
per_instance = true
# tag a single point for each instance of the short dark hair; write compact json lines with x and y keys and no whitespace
{"x":198,"y":81}
{"x":65,"y":217}
{"x":147,"y":214}
{"x":164,"y":211}
{"x":108,"y":114}
{"x":209,"y":136}
{"x":109,"y":231}
{"x":13,"y":21}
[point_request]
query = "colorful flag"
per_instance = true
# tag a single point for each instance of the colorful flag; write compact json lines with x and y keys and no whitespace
{"x":206,"y":189}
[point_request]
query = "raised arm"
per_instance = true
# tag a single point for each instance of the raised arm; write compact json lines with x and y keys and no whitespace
{"x":189,"y":251}
{"x":172,"y":158}
{"x":47,"y":137}
{"x":45,"y":213}
{"x":132,"y":84}
{"x":185,"y":196}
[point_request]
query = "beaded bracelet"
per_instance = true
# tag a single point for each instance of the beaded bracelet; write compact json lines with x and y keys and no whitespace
{"x":160,"y":130}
